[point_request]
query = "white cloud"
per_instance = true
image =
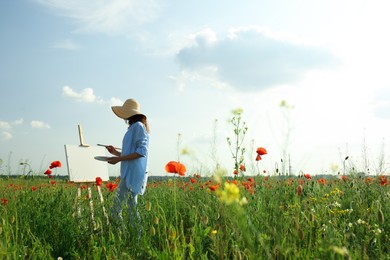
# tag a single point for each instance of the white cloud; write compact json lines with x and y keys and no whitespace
{"x":86,"y":95}
{"x":106,"y":16}
{"x":66,"y":45}
{"x":5,"y":125}
{"x":115,"y":102}
{"x":18,"y":122}
{"x":4,"y":136}
{"x":250,"y":58}
{"x":204,"y":38}
{"x":39,"y":124}
{"x":206,"y":74}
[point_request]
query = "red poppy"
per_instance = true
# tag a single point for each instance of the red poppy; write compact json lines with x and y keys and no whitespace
{"x":111,"y":186}
{"x":260,"y":151}
{"x":4,"y":201}
{"x":33,"y":188}
{"x":175,"y":167}
{"x":235,"y":172}
{"x":170,"y":167}
{"x":47,"y":172}
{"x":307,"y":176}
{"x":368,"y":180}
{"x":192,"y":180}
{"x":55,"y":164}
{"x":322,"y":181}
{"x":251,"y":180}
{"x":213,"y":187}
{"x":383,"y":180}
{"x":242,"y":167}
{"x":99,"y":181}
{"x":247,"y":185}
{"x":53,"y":182}
{"x":181,"y":169}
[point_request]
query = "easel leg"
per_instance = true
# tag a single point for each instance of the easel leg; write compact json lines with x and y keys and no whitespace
{"x":78,"y":200}
{"x":89,"y":197}
{"x":91,"y":206}
{"x":102,"y":202}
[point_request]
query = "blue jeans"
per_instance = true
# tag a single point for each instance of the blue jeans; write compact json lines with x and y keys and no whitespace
{"x":123,"y":197}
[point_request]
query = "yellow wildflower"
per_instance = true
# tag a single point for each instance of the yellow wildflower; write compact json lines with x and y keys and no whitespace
{"x":230,"y":193}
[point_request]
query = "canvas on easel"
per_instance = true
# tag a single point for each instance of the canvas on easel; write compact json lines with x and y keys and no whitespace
{"x":83,"y":168}
{"x":82,"y":165}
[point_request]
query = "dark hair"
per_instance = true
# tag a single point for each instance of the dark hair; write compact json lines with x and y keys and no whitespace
{"x":138,"y":118}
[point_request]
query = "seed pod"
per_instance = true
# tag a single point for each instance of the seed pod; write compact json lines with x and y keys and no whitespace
{"x":148,"y":206}
{"x":205,"y":220}
{"x":301,"y":234}
{"x":156,"y":220}
{"x":152,"y":231}
{"x":172,"y":233}
{"x":381,"y":217}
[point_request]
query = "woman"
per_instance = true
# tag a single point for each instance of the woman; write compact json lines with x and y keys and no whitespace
{"x":133,"y":158}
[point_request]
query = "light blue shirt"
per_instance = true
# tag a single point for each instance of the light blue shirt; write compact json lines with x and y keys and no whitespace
{"x":134,"y":172}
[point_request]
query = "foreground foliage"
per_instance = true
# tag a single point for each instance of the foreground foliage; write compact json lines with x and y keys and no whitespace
{"x":197,"y":218}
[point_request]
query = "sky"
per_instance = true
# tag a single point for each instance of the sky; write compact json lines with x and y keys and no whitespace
{"x":311,"y":78}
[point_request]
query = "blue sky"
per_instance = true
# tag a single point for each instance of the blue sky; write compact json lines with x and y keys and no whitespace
{"x":190,"y":63}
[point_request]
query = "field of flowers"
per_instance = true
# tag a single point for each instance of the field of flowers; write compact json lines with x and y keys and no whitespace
{"x":189,"y":216}
{"x":192,"y":217}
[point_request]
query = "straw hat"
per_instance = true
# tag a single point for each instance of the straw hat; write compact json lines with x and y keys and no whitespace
{"x":130,"y":108}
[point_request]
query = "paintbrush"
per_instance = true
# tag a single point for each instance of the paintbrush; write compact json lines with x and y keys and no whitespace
{"x":105,"y":145}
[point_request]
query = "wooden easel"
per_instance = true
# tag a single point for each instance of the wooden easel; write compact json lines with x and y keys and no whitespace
{"x":80,"y":185}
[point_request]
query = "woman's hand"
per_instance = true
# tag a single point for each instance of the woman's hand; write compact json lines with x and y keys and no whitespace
{"x":113,"y":160}
{"x":111,"y":149}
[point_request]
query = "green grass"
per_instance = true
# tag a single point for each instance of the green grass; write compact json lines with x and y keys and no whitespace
{"x":182,"y":220}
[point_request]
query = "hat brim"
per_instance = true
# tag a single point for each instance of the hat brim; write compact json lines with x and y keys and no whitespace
{"x":123,"y":113}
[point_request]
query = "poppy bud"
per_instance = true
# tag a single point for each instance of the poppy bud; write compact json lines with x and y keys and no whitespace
{"x":299,"y":190}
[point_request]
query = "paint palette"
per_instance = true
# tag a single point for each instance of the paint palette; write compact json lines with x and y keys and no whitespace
{"x":101,"y":158}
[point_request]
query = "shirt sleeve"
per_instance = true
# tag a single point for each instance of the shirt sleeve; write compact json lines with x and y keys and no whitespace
{"x":141,"y":139}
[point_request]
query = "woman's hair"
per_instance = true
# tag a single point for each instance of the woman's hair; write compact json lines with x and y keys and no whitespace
{"x":138,"y":118}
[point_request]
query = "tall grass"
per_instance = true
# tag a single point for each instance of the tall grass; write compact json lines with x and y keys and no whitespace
{"x":191,"y":217}
{"x":328,"y":219}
